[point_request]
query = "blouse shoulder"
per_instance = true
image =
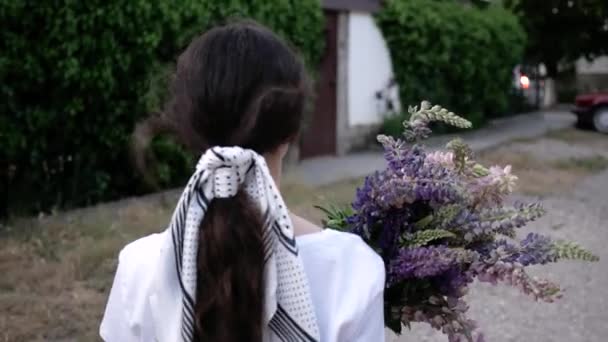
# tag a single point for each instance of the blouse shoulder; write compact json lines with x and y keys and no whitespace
{"x":123,"y":319}
{"x":364,"y":258}
{"x":350,"y":254}
{"x":136,"y":263}
{"x":347,"y":278}
{"x":141,"y":249}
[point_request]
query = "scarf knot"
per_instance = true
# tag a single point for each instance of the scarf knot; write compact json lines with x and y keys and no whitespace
{"x":227,"y":168}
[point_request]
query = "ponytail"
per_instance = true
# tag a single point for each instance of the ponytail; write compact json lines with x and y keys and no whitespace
{"x":230,"y":266}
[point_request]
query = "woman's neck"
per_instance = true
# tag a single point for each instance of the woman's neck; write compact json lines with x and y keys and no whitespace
{"x":275,"y":167}
{"x":301,"y":226}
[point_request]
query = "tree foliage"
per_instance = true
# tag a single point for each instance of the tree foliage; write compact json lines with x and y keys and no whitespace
{"x":449,"y":53}
{"x":561,"y":31}
{"x":75,"y":77}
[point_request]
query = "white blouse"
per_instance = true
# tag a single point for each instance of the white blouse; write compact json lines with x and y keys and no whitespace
{"x":346,"y":280}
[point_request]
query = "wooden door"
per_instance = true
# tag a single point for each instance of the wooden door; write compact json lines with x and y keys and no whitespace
{"x":319,"y":135}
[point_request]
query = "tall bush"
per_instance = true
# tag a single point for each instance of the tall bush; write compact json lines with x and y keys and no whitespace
{"x":459,"y":56}
{"x":75,"y":76}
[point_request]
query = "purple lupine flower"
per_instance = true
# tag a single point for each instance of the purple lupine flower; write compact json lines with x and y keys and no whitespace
{"x":444,"y":314}
{"x":499,"y":220}
{"x":498,"y":250}
{"x":385,"y":191}
{"x":445,"y":159}
{"x":477,"y":337}
{"x":364,"y":194}
{"x":400,"y":156}
{"x":442,"y":222}
{"x":417,"y":130}
{"x":436,"y":192}
{"x":395,"y":191}
{"x":437,"y":183}
{"x":453,"y":282}
{"x":413,"y":160}
{"x":514,"y":274}
{"x":431,"y":183}
{"x":536,"y":249}
{"x":365,"y":207}
{"x":425,"y":262}
{"x":492,"y":188}
{"x":394,"y":222}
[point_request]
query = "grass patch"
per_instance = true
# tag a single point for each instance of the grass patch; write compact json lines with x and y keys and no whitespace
{"x":301,"y":200}
{"x":591,"y":164}
{"x":580,"y":137}
{"x":523,"y":140}
{"x":540,"y":178}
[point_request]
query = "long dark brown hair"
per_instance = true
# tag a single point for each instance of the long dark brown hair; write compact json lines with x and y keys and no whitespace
{"x":236,"y":85}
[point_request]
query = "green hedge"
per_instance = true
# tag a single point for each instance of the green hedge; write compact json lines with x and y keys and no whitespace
{"x":75,"y":76}
{"x":458,"y":56}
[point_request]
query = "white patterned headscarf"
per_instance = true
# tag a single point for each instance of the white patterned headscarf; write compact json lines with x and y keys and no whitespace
{"x":221,"y":173}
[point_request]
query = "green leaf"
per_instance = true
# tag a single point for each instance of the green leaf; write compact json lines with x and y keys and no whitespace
{"x":424,"y":237}
{"x":336,"y":217}
{"x":572,"y":251}
{"x":479,"y":170}
{"x":424,"y":222}
{"x":462,"y":153}
{"x":438,"y":114}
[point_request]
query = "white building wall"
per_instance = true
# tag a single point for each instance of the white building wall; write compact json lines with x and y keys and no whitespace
{"x":597,"y":66}
{"x":369,"y":69}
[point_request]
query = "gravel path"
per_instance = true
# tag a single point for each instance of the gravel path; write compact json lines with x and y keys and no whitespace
{"x":582,"y":315}
{"x":552,"y":149}
{"x":327,"y":170}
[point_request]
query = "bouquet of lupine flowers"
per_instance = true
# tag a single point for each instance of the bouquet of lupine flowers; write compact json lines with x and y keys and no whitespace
{"x":440,"y":220}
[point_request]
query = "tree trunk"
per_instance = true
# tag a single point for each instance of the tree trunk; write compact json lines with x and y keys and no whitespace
{"x":552,"y":68}
{"x":141,"y":156}
{"x":549,"y":98}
